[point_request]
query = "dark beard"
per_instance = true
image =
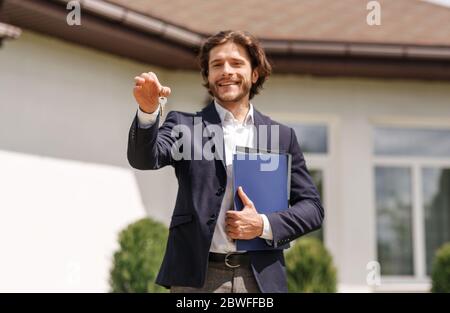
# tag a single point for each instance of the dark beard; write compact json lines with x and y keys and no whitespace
{"x":244,"y":92}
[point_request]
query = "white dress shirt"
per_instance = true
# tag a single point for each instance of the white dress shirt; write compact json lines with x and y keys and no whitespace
{"x":234,"y":134}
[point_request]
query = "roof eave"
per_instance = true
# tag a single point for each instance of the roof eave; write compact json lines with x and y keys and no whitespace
{"x":109,"y":27}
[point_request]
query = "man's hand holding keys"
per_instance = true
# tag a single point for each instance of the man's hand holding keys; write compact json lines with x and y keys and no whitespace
{"x":148,"y":90}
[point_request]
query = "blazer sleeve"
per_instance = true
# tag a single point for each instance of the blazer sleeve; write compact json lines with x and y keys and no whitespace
{"x":150,"y":149}
{"x":306,"y":213}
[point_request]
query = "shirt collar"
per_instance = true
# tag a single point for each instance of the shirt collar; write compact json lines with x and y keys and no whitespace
{"x":226,"y":115}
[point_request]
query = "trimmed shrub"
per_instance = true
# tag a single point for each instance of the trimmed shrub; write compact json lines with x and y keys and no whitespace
{"x":440,"y":273}
{"x":310,"y":267}
{"x":136,"y":263}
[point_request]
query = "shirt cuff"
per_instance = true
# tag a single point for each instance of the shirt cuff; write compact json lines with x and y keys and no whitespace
{"x":267,"y":229}
{"x":146,"y":120}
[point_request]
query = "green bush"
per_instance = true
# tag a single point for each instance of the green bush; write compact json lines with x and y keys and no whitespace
{"x":136,"y":263}
{"x":310,"y":267}
{"x":440,"y":273}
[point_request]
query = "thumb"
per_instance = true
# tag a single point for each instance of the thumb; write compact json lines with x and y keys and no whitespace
{"x":244,"y":198}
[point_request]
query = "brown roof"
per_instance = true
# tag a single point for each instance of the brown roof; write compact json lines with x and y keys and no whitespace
{"x":402,"y":21}
{"x":317,"y":37}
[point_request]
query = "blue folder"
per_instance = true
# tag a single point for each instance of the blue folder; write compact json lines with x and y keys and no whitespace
{"x":265,"y":179}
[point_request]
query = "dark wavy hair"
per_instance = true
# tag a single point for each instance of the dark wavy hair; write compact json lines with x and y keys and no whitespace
{"x":257,"y":55}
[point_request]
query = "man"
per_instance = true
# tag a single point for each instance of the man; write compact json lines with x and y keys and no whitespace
{"x":201,"y":252}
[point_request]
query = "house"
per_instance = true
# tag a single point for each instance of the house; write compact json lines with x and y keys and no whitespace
{"x":370,"y":105}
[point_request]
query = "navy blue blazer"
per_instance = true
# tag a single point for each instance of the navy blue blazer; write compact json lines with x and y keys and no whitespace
{"x":201,"y":187}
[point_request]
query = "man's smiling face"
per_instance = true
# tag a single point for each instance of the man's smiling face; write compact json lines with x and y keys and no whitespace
{"x":230,"y":73}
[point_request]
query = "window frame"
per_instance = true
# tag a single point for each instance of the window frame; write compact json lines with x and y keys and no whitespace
{"x":326,"y":163}
{"x":415,"y":165}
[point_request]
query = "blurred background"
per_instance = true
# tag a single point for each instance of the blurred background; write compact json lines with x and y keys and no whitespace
{"x":365,"y":84}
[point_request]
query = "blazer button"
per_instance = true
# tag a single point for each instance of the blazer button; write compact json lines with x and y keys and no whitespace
{"x":211,"y":220}
{"x":220,"y":191}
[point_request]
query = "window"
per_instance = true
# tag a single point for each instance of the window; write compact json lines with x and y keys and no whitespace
{"x":412,"y":142}
{"x":394,"y":220}
{"x":436,"y":203}
{"x":313,"y":141}
{"x":312,"y":137}
{"x":412,"y":195}
{"x":317,"y":176}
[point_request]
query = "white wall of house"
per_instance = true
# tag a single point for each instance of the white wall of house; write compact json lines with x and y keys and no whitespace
{"x":67,"y":188}
{"x":59,"y":221}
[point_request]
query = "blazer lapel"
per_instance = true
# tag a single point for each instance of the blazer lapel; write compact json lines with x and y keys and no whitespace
{"x":211,"y":117}
{"x":262,"y":124}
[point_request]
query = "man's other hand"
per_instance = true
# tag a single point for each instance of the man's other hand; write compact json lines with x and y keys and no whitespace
{"x":245,"y":224}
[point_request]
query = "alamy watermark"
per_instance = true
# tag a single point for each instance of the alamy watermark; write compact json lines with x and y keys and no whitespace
{"x":188,"y":144}
{"x":74,"y":16}
{"x":73,"y":273}
{"x":373,"y":277}
{"x":373,"y":18}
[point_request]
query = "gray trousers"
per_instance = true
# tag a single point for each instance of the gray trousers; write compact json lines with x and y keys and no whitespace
{"x":220,"y":278}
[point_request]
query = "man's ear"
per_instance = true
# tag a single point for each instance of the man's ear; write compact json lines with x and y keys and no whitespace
{"x":255,"y":76}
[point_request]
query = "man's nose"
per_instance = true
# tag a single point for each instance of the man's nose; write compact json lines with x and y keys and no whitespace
{"x":227,"y":69}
